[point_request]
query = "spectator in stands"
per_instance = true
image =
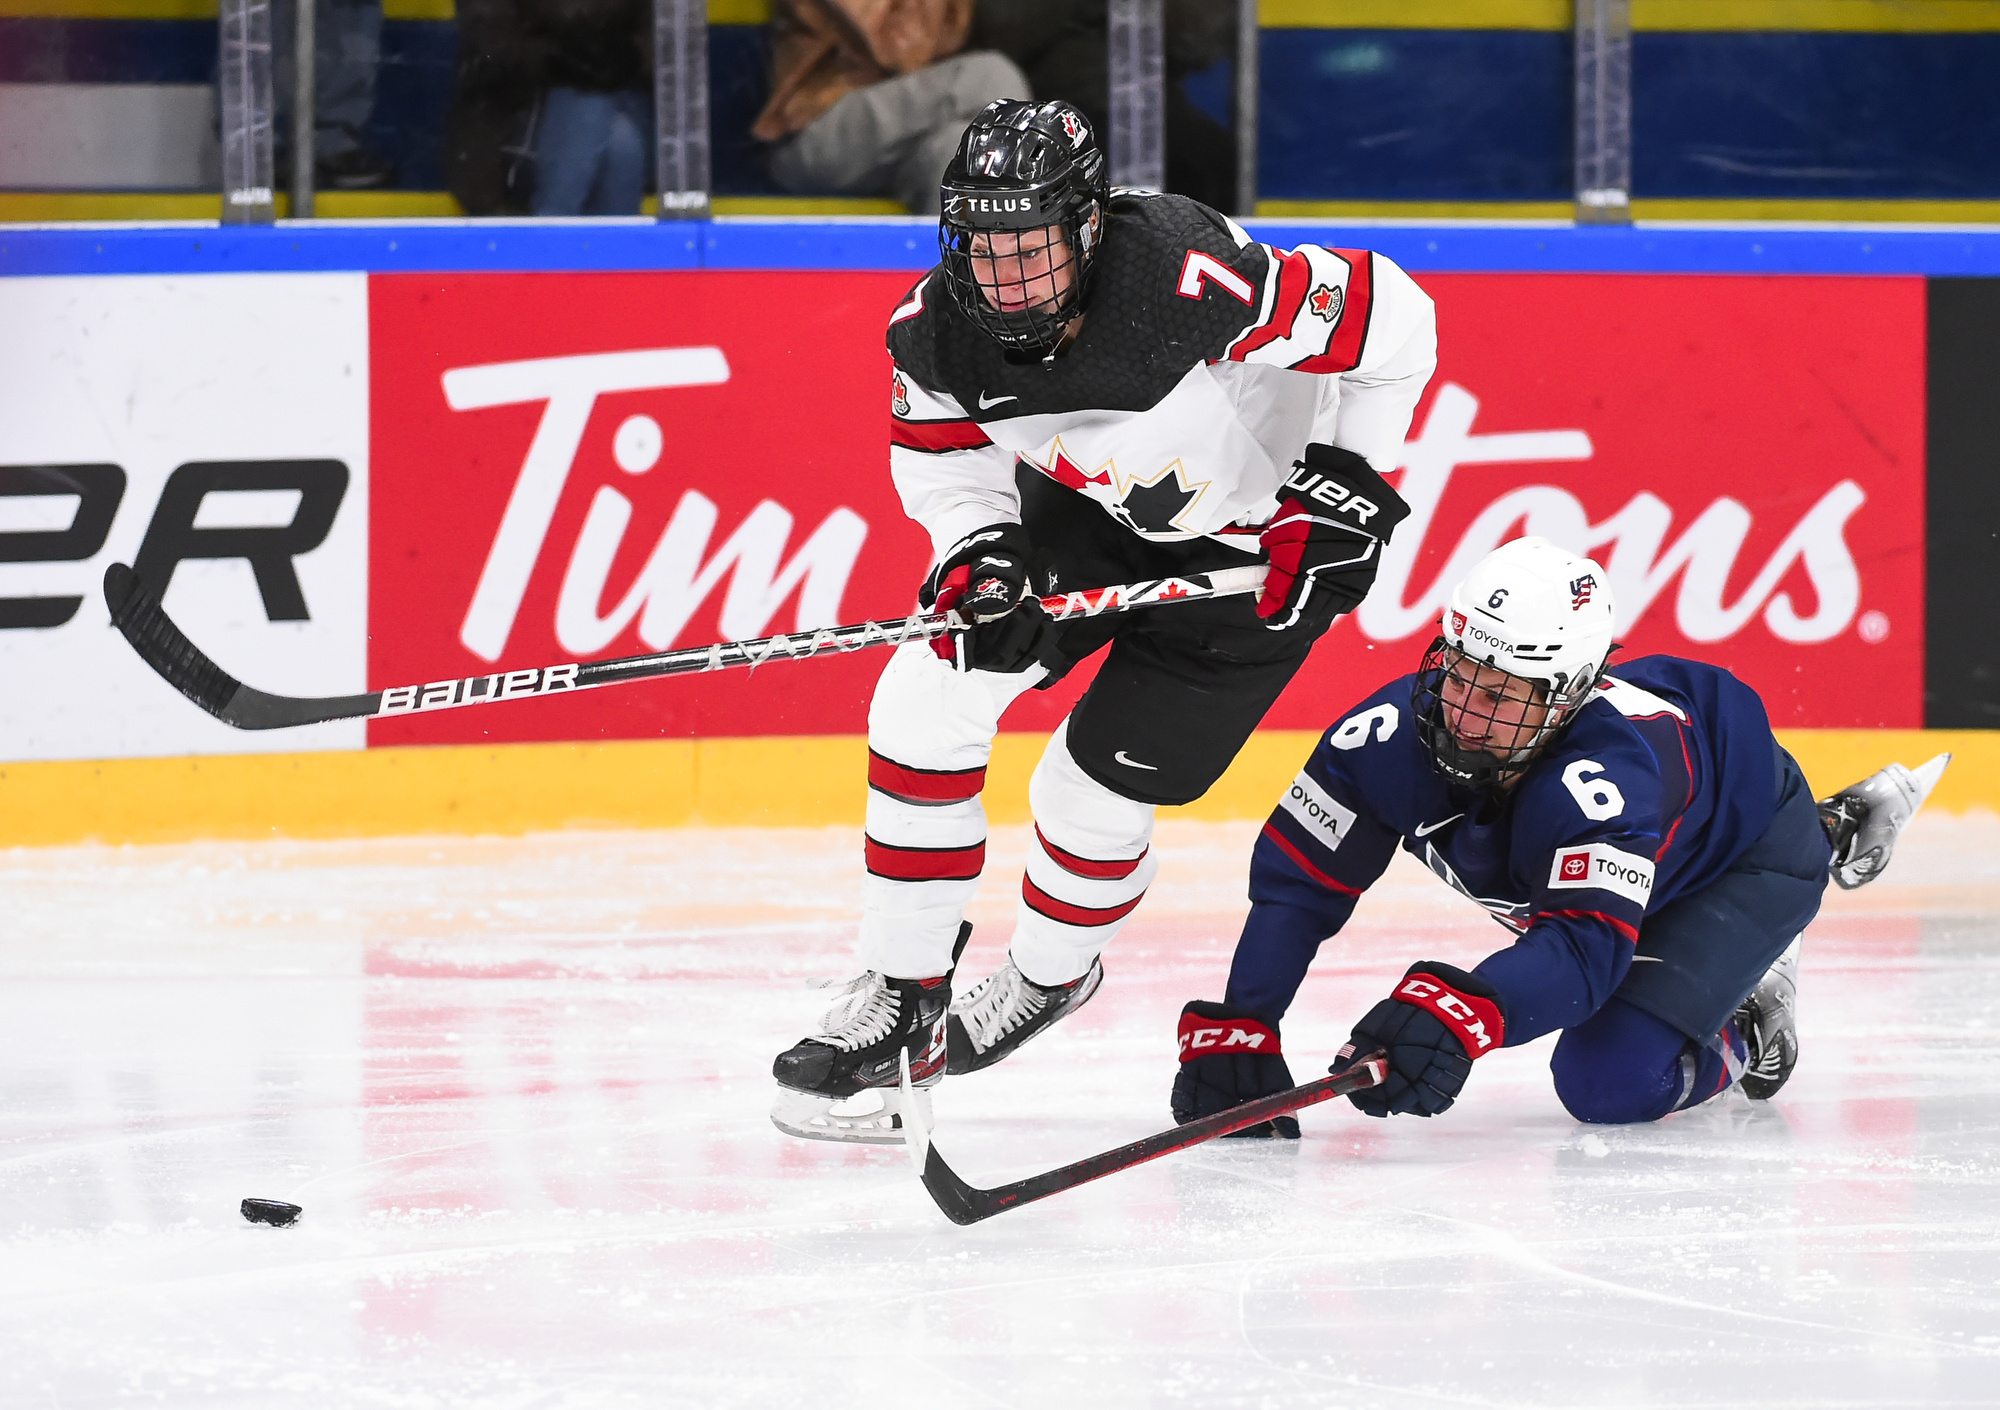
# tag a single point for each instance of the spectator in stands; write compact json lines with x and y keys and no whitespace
{"x":1062,"y":46}
{"x":347,"y":51}
{"x":552,"y":107}
{"x":870,"y":97}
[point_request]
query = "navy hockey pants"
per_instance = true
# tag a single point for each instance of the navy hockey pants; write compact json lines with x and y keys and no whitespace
{"x":1654,"y":1047}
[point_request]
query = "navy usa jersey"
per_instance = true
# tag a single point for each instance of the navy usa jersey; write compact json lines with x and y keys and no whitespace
{"x":1206,"y":363}
{"x":1660,"y":783}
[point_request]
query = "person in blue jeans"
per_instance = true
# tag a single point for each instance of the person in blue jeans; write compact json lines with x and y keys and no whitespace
{"x":347,"y":54}
{"x":1653,"y":851}
{"x":593,"y":151}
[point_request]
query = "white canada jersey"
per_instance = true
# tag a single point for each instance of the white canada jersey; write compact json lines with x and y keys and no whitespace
{"x":1206,"y":363}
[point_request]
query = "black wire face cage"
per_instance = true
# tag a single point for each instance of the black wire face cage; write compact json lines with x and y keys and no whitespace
{"x":1022,"y":212}
{"x":1472,"y":767}
{"x":1021,"y":287}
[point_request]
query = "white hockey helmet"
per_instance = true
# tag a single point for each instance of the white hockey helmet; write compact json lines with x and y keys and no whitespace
{"x":1536,"y":612}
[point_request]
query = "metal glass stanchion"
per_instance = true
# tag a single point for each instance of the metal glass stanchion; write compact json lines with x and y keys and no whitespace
{"x":305,"y":98}
{"x":1138,"y":95}
{"x":1246,"y":107}
{"x":1604,"y":112}
{"x":680,"y":97}
{"x":244,"y":77}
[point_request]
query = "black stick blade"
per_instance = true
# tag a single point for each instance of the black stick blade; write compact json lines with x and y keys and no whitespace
{"x":136,"y":612}
{"x":961,"y":1203}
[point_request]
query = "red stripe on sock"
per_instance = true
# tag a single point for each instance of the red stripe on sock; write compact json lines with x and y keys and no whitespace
{"x":1084,"y":866}
{"x":924,"y":785}
{"x":1041,"y":901}
{"x":924,"y":863}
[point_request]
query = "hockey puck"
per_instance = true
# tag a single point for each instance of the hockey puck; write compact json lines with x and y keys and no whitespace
{"x":274,"y":1212}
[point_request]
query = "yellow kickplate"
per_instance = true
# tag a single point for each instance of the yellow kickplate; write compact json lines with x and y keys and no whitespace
{"x":783,"y":781}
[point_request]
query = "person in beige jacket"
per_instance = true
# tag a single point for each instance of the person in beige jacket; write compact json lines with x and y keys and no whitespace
{"x":870,"y":97}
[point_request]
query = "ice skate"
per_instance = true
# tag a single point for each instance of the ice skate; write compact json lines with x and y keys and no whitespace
{"x":1006,"y":1009}
{"x":1768,"y":1021}
{"x":842,"y":1084}
{"x":1864,"y":820}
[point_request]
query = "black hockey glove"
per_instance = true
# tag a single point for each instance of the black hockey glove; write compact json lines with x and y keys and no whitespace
{"x":1230,"y":1056}
{"x":1325,"y":542}
{"x":1433,"y":1026}
{"x":986,"y":581}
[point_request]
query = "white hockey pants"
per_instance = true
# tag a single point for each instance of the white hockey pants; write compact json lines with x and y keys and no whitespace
{"x":930,"y":734}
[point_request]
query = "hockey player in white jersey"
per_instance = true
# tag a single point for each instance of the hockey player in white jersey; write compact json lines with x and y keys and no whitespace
{"x":1094,"y":387}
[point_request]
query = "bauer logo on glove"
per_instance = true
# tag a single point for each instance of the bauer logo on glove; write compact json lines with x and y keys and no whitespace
{"x":1325,"y":542}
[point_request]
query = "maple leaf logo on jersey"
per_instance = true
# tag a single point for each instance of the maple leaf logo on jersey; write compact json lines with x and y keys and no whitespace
{"x":1072,"y":129}
{"x":1326,"y":302}
{"x":1152,"y":509}
{"x":900,"y":394}
{"x":1580,"y":590}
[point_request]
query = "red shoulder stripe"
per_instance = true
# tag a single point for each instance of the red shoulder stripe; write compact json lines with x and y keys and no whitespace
{"x":1284,"y":844}
{"x":1343,"y":350}
{"x":1294,"y":280}
{"x":936,"y":436}
{"x":1623,"y":928}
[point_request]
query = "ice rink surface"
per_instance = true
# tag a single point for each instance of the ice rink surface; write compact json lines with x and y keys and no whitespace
{"x":520,"y":1088}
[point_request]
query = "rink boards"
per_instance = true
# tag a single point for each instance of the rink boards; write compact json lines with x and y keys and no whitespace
{"x":360,"y":478}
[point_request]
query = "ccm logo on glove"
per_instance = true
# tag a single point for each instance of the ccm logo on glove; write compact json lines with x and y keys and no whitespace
{"x":1476,"y":1021}
{"x":1243,"y":1035}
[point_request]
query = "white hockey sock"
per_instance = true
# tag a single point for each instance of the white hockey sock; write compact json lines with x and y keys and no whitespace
{"x":1091,"y":863}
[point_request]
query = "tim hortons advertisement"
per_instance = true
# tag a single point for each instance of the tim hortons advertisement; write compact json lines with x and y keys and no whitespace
{"x":576,"y":466}
{"x":212,"y":430}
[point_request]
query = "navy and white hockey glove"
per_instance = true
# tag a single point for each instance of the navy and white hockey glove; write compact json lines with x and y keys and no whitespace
{"x":1325,"y":542}
{"x":1230,"y":1056}
{"x":985,"y":579}
{"x":1434,"y":1025}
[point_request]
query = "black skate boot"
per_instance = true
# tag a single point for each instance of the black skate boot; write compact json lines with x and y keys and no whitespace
{"x":1768,"y":1022}
{"x":1006,"y":1009}
{"x":857,"y":1050}
{"x":1863,"y":821}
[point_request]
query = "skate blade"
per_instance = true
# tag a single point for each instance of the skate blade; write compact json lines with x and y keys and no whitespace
{"x":815,"y":1118}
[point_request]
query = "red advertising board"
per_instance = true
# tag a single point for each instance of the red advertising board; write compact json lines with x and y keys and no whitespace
{"x":586,"y":465}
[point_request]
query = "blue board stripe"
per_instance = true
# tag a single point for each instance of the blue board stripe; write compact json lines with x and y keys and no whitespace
{"x":908,"y":244}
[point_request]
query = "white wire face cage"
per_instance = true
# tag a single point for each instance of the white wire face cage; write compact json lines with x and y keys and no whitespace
{"x":1471,"y":767}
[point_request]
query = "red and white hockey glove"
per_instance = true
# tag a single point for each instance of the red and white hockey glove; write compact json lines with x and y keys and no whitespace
{"x":1325,"y":542}
{"x":1230,"y":1056}
{"x":985,"y":579}
{"x":1433,"y":1027}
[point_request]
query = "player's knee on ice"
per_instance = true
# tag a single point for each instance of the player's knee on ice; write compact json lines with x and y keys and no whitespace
{"x":1622,"y":1065}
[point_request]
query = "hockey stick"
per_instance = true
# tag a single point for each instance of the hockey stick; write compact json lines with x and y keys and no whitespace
{"x":136,"y":611}
{"x":966,"y":1204}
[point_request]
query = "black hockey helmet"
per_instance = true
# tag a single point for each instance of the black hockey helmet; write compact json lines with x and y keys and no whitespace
{"x":1023,"y":169}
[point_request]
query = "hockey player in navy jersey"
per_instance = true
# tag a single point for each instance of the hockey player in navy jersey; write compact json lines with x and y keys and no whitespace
{"x":1653,"y":848}
{"x":1094,"y":387}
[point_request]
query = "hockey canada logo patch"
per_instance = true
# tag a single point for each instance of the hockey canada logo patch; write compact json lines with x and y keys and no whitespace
{"x":899,"y":395}
{"x":1326,"y":302}
{"x":1580,"y":590}
{"x":1072,"y":129}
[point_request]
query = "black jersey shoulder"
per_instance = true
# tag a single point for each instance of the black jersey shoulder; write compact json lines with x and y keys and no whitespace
{"x":1140,"y":333}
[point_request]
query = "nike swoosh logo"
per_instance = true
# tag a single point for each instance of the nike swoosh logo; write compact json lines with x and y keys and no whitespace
{"x":985,"y":405}
{"x":1426,"y":829}
{"x":1134,"y":763}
